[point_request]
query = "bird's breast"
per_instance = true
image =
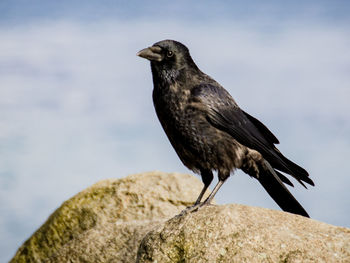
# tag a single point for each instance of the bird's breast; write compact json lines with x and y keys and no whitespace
{"x":171,"y":102}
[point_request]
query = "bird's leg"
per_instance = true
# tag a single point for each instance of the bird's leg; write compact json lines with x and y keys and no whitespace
{"x":207,"y":178}
{"x":201,"y":195}
{"x":222,"y":179}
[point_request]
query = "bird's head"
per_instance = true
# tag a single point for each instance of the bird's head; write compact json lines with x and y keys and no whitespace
{"x":168,"y":55}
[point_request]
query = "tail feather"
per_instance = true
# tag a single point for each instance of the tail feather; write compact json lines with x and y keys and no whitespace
{"x":284,"y":179}
{"x":278,"y":191}
{"x":287,"y":166}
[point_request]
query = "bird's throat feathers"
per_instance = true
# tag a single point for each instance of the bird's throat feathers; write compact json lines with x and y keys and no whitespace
{"x":166,"y":76}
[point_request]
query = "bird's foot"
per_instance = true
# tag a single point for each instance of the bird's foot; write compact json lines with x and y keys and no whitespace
{"x":193,"y":208}
{"x":189,"y":209}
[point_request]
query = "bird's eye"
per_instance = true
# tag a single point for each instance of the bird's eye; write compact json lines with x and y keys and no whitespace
{"x":169,"y":54}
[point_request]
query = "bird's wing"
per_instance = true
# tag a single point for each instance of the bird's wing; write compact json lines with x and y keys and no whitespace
{"x":262,"y":129}
{"x":224,"y":114}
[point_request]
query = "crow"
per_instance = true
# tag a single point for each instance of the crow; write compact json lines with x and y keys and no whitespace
{"x":209,"y":131}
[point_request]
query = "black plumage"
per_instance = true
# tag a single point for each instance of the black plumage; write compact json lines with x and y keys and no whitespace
{"x":209,"y":132}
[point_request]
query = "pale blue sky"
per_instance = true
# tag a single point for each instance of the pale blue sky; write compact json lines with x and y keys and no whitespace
{"x":76,"y":107}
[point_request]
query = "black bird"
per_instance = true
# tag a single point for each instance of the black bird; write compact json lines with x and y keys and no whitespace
{"x":209,"y":132}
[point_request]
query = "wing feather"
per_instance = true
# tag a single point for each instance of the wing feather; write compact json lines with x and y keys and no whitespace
{"x":224,"y":114}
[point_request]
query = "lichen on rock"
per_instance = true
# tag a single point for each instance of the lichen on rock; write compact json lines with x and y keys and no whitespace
{"x":107,"y":220}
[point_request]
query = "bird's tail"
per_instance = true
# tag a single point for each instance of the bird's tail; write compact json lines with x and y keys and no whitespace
{"x":269,"y":179}
{"x":289,"y":167}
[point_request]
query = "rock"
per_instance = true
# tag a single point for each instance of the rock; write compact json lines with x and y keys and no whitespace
{"x":106,"y":222}
{"x":237,"y":233}
{"x":132,"y":220}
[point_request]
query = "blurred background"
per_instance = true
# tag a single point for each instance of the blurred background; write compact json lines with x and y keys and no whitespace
{"x":76,"y":105}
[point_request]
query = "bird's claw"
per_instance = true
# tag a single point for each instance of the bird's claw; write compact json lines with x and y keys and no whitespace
{"x":193,"y":208}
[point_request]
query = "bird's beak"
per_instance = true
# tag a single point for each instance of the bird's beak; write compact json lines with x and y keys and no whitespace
{"x":151,"y":53}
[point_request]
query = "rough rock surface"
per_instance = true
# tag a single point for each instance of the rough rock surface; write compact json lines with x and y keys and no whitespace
{"x":128,"y":220}
{"x":237,"y":233}
{"x":106,"y":222}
